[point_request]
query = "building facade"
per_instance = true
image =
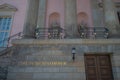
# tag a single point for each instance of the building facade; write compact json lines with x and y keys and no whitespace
{"x":60,"y":39}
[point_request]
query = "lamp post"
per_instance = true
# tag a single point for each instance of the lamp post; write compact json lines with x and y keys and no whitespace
{"x":73,"y":54}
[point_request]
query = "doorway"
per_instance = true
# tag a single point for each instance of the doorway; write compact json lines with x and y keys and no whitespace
{"x":98,"y":67}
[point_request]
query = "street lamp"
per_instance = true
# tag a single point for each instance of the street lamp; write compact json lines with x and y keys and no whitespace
{"x":73,"y":54}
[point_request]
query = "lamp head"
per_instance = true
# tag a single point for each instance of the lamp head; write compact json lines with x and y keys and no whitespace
{"x":73,"y":50}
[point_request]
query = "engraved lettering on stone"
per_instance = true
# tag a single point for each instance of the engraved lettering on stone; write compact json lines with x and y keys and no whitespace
{"x":42,"y":63}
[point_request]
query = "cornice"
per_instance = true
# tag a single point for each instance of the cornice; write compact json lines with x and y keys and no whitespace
{"x":66,"y":41}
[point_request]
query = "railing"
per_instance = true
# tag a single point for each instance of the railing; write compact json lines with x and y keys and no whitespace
{"x":96,"y":32}
{"x":50,"y":33}
{"x":5,"y":45}
{"x":59,"y":33}
{"x":6,"y":42}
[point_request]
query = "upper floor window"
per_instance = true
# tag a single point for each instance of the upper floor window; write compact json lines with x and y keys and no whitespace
{"x":7,"y":12}
{"x":5,"y":27}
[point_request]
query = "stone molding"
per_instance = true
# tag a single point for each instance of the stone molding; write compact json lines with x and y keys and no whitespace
{"x":66,"y":41}
{"x":117,"y":4}
{"x":7,"y":7}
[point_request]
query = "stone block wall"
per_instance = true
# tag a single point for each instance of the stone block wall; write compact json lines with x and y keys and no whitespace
{"x":54,"y":61}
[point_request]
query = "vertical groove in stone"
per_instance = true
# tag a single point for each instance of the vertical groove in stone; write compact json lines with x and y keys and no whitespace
{"x":70,"y":18}
{"x":31,"y":19}
{"x":96,"y":14}
{"x":41,"y":13}
{"x":111,"y":20}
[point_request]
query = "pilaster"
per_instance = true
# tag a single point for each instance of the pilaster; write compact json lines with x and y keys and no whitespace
{"x":111,"y":19}
{"x":41,"y":13}
{"x":31,"y":19}
{"x":97,"y":14}
{"x":70,"y":18}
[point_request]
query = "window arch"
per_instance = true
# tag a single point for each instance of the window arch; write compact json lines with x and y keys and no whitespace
{"x":54,"y":19}
{"x":82,"y":17}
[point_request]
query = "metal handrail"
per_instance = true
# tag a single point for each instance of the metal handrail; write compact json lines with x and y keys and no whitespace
{"x":18,"y":35}
{"x":4,"y":70}
{"x":59,"y":33}
{"x":8,"y":46}
{"x":93,"y":32}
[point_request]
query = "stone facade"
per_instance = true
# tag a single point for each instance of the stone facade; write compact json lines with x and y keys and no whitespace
{"x":49,"y":59}
{"x":70,"y":17}
{"x":34,"y":61}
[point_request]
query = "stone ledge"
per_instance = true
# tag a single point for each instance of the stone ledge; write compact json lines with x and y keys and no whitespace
{"x":66,"y":41}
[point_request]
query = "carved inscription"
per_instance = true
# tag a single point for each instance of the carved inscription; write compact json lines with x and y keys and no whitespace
{"x":42,"y":63}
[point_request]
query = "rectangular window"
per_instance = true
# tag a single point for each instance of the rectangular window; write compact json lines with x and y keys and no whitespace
{"x":5,"y":26}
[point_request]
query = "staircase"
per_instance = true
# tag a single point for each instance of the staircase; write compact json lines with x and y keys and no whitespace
{"x":5,"y":51}
{"x":5,"y":55}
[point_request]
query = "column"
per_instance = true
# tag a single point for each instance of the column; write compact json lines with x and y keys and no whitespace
{"x":111,"y":19}
{"x":31,"y":19}
{"x":96,"y":14}
{"x":41,"y":14}
{"x":70,"y":18}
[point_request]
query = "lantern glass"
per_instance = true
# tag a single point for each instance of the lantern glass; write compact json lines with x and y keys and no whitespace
{"x":73,"y":51}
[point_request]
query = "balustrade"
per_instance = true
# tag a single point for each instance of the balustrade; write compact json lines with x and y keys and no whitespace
{"x":50,"y":33}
